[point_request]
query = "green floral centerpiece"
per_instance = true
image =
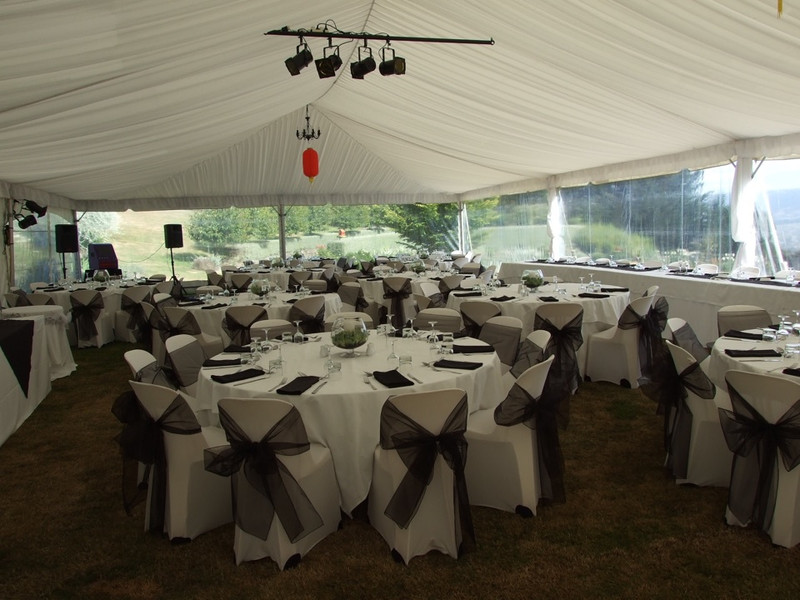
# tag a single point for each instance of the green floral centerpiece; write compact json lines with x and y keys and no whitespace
{"x":257,"y":289}
{"x":277,"y":262}
{"x":418,"y":268}
{"x":101,"y":276}
{"x":532,"y":279}
{"x":349,"y":333}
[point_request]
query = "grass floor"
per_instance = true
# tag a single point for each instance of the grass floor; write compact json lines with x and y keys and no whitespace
{"x":626,"y":530}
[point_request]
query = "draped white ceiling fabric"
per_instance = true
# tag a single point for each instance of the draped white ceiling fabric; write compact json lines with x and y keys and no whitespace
{"x":153,"y":104}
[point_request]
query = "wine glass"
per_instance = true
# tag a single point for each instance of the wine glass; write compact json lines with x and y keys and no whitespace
{"x":393,"y":353}
{"x":298,"y":335}
{"x":582,"y":287}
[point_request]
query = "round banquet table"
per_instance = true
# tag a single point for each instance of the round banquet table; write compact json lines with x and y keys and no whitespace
{"x":720,"y":363}
{"x":598,"y":313}
{"x":344,"y":414}
{"x":210,"y":319}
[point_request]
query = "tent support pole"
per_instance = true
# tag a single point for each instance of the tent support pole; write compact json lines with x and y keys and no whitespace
{"x":281,"y":210}
{"x":461,"y":242}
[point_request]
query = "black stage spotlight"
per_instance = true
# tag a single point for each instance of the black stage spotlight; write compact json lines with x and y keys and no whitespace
{"x":35,"y":208}
{"x":25,"y":222}
{"x":328,"y":65}
{"x":299,"y":61}
{"x":364,"y":65}
{"x":394,"y":65}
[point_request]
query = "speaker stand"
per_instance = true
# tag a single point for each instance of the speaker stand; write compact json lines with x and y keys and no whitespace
{"x":175,"y":280}
{"x":64,"y":264}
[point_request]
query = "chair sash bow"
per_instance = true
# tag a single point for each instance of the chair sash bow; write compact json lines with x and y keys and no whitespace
{"x":541,"y":415}
{"x":757,"y":446}
{"x":308,"y":323}
{"x":418,"y":449}
{"x":137,"y":319}
{"x":262,"y":485}
{"x":85,"y":315}
{"x":142,"y":440}
{"x":239,"y":331}
{"x":397,"y":297}
{"x":654,"y":359}
{"x":564,"y":375}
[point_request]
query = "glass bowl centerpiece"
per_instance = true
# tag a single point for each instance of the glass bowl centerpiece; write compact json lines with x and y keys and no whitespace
{"x":348,"y":333}
{"x":258,"y":288}
{"x":532,"y":279}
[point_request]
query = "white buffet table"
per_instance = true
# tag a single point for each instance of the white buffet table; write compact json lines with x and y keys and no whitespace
{"x":60,"y":361}
{"x":693,"y":298}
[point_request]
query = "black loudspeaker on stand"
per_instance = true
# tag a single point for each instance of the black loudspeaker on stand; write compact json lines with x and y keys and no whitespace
{"x":173,"y":238}
{"x":66,"y":241}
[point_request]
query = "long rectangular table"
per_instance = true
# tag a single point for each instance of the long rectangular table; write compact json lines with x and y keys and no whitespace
{"x":693,"y":298}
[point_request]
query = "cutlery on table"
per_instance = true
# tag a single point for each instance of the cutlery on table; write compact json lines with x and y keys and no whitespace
{"x":320,"y":385}
{"x":410,"y":376}
{"x":368,"y":381}
{"x":250,"y":380}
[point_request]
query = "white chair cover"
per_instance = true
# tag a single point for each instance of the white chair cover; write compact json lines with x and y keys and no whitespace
{"x":286,"y":497}
{"x":183,"y":499}
{"x":504,"y":464}
{"x":183,"y":321}
{"x":447,"y":319}
{"x":93,"y":325}
{"x":418,"y":500}
{"x":310,"y":311}
{"x":503,"y":333}
{"x":738,"y":317}
{"x":763,"y":432}
{"x":130,"y":322}
{"x":475,"y":313}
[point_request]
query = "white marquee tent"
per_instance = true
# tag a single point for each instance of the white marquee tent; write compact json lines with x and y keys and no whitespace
{"x":147,"y":104}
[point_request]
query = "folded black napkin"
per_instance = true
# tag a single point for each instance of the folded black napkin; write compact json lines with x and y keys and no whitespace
{"x":374,"y":279}
{"x":466,"y":294}
{"x":467,"y":349}
{"x":435,"y":278}
{"x":190,"y":303}
{"x":548,"y":298}
{"x":291,"y":301}
{"x":752,"y":353}
{"x":502,"y":298}
{"x":238,"y":376}
{"x":259,"y":303}
{"x":237,"y":348}
{"x":213,"y":306}
{"x":79,"y":289}
{"x":392,"y":379}
{"x":222,"y":362}
{"x":592,"y":295}
{"x":788,"y":371}
{"x":51,"y":289}
{"x":614,"y":289}
{"x":102,"y":288}
{"x":742,"y":335}
{"x":457,"y":364}
{"x":290,"y":270}
{"x":298,"y":385}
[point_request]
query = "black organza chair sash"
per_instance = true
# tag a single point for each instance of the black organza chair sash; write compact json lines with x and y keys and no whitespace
{"x":529,"y":354}
{"x":159,"y":323}
{"x":262,"y":485}
{"x":686,"y":338}
{"x":85,"y":315}
{"x":354,"y":296}
{"x":239,"y":331}
{"x":564,"y":376}
{"x":654,"y":359}
{"x":366,"y":268}
{"x":186,"y":362}
{"x":418,"y":449}
{"x":142,"y":440}
{"x":677,"y":414}
{"x":757,"y":446}
{"x":397,"y":297}
{"x":471,"y":326}
{"x":187,"y":325}
{"x":20,"y":299}
{"x":331,"y":282}
{"x":308,"y":323}
{"x":541,"y":415}
{"x":504,"y":340}
{"x":137,"y":319}
{"x":155,"y":374}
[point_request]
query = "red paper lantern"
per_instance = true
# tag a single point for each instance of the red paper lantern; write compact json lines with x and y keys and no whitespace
{"x":310,"y":164}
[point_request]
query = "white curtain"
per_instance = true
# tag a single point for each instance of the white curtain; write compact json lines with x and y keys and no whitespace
{"x":556,"y":223}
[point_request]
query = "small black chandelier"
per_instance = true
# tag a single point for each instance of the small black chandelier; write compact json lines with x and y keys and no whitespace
{"x":309,"y":133}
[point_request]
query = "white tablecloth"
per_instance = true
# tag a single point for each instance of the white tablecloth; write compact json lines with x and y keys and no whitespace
{"x":59,"y":355}
{"x":15,"y":405}
{"x":693,"y":298}
{"x":720,"y":363}
{"x":210,"y":320}
{"x":345,"y":414}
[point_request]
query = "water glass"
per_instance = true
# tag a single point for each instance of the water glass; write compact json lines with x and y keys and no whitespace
{"x":275,"y":365}
{"x":791,"y":350}
{"x":447,"y":343}
{"x":404,"y":363}
{"x":334,"y":368}
{"x":325,"y":350}
{"x":768,"y":334}
{"x":287,"y":336}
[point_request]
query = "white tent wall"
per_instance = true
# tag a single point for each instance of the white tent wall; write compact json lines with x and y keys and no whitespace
{"x":150,"y":105}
